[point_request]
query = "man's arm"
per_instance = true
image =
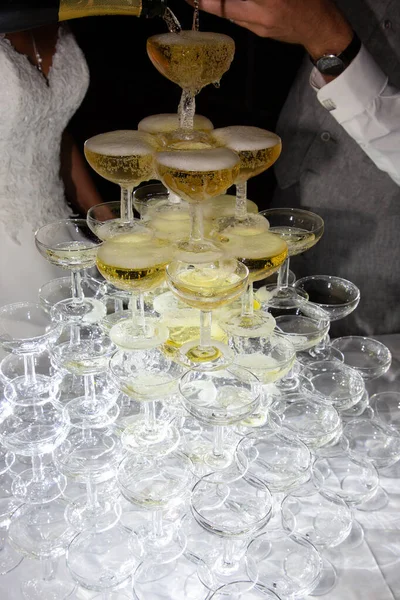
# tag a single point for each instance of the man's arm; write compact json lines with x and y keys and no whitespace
{"x":360,"y":98}
{"x":80,"y":189}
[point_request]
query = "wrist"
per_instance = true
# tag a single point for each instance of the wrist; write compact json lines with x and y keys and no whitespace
{"x":332,"y":40}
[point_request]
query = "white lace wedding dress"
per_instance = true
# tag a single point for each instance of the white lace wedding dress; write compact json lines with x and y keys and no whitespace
{"x":33,"y":116}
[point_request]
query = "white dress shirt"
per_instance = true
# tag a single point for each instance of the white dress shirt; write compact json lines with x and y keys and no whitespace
{"x":367,"y":107}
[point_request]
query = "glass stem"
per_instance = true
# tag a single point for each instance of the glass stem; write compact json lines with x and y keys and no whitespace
{"x":248,"y":301}
{"x":3,"y":536}
{"x":173,"y":198}
{"x":283,"y":275}
{"x":140,"y":309}
{"x":321,"y":346}
{"x":186,"y":109}
{"x":47,"y":567}
{"x":76,"y":287}
{"x":197,"y":225}
{"x":107,"y":595}
{"x":118,"y":304}
{"x":150,"y":415}
{"x":126,"y":209}
{"x":91,"y":494}
{"x":75,"y":335}
{"x":37,"y":467}
{"x":158,"y":527}
{"x":205,"y":328}
{"x":241,"y":201}
{"x":90,"y":393}
{"x":219,"y":434}
{"x":29,"y":369}
{"x":228,"y":561}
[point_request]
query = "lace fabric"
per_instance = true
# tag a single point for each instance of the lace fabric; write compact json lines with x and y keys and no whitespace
{"x":34,"y":113}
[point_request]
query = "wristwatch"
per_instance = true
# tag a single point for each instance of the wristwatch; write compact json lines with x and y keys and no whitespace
{"x":335,"y":64}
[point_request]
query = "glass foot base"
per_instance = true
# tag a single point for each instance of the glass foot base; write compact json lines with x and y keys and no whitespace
{"x":117,"y":317}
{"x":37,"y":589}
{"x":203,"y":251}
{"x":9,"y":559}
{"x":378,"y":501}
{"x":161,"y":549}
{"x":213,"y":574}
{"x":87,"y":312}
{"x":60,"y":290}
{"x":34,"y":491}
{"x":128,"y":335}
{"x":25,"y":393}
{"x":355,"y":537}
{"x":250,"y":326}
{"x":314,"y":355}
{"x":284,"y":298}
{"x":85,"y":409}
{"x":100,"y":518}
{"x":97,"y":422}
{"x":327,"y":580}
{"x":159,"y":441}
{"x":217,"y":356}
{"x":114,"y":596}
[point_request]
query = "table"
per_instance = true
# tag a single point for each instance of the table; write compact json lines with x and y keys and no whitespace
{"x":368,"y":572}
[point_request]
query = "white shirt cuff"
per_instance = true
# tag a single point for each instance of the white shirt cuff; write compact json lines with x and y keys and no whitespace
{"x":354,"y":90}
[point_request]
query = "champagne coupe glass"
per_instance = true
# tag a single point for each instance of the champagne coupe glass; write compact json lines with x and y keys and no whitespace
{"x":240,"y":590}
{"x":262,"y":253}
{"x":370,"y":358}
{"x":338,"y":297}
{"x":288,"y":563}
{"x":280,"y":461}
{"x":147,"y":198}
{"x":166,"y":128}
{"x":70,"y":244}
{"x":33,"y":432}
{"x":207,"y":286}
{"x":234,"y":511}
{"x":26,"y":330}
{"x":335,"y":383}
{"x":156,"y":484}
{"x":192,"y":59}
{"x":301,"y":230}
{"x":386,"y":407}
{"x":225,"y":206}
{"x":197,"y":176}
{"x":325,"y":519}
{"x":355,"y":480}
{"x":91,"y":456}
{"x":136,"y":262}
{"x":103,"y":560}
{"x":220,"y":398}
{"x":258,"y":149}
{"x":57,"y":290}
{"x":9,"y":558}
{"x":41,"y":532}
{"x":147,"y":376}
{"x":126,"y":158}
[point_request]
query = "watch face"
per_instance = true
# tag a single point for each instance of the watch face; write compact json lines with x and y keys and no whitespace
{"x":330,"y":65}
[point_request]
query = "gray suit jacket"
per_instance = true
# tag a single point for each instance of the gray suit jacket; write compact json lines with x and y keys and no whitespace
{"x":323,"y":169}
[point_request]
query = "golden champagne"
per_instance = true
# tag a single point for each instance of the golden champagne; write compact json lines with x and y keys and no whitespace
{"x":261,"y":251}
{"x":192,"y":59}
{"x":257,"y":148}
{"x":168,"y":122}
{"x":298,"y":240}
{"x":73,"y":255}
{"x":208,"y":287}
{"x":123,"y":157}
{"x":198,"y":175}
{"x":134,"y":261}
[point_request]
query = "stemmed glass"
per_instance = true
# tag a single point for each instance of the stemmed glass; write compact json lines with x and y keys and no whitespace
{"x":136,"y":262}
{"x":370,"y":358}
{"x":103,"y":560}
{"x":26,"y":330}
{"x":164,"y":124}
{"x":9,"y":559}
{"x":258,"y":150}
{"x":192,"y":59}
{"x":220,"y":398}
{"x":124,"y":157}
{"x":287,"y":562}
{"x":42,"y":532}
{"x":70,"y":244}
{"x":207,"y":286}
{"x":325,"y":519}
{"x":338,"y":297}
{"x":155,"y":484}
{"x":235,"y":511}
{"x":301,"y":230}
{"x":147,"y":376}
{"x":197,"y":176}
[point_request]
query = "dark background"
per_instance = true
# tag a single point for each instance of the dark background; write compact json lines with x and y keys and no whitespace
{"x":125,"y":87}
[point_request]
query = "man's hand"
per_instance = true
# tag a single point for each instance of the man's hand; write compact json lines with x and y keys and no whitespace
{"x":315,"y":24}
